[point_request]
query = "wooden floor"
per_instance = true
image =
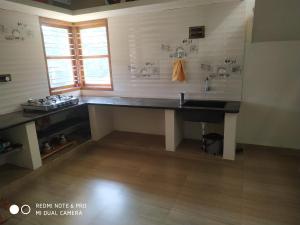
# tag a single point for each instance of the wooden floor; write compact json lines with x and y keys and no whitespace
{"x":125,"y":185}
{"x":9,"y":173}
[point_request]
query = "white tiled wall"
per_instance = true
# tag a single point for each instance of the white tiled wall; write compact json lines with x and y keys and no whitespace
{"x":24,"y":60}
{"x":137,"y":39}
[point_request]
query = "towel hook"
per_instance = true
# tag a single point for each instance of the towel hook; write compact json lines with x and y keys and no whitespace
{"x":180,"y":53}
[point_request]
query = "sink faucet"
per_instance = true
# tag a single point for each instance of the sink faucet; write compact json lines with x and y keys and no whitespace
{"x":206,"y":85}
{"x":181,"y":98}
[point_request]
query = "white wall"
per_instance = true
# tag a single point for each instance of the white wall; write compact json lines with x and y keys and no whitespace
{"x":270,"y":109}
{"x":137,"y":39}
{"x":24,"y":60}
{"x":276,"y":20}
{"x":149,"y":121}
{"x":152,"y":121}
{"x":270,"y":113}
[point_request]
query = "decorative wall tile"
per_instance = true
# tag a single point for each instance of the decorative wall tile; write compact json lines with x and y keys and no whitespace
{"x":153,"y":37}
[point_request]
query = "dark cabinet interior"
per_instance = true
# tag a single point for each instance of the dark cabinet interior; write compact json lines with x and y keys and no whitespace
{"x":63,"y":130}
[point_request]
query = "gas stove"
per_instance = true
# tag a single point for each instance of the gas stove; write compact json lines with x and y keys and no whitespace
{"x":50,"y":103}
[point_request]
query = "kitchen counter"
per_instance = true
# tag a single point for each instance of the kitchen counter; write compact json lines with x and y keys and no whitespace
{"x":18,"y":118}
{"x":132,"y":102}
{"x":230,"y":107}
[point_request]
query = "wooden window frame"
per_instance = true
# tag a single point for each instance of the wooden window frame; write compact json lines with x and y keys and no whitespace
{"x":94,"y":24}
{"x":76,"y":55}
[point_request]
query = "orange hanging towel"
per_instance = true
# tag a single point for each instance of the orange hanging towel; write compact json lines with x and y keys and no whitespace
{"x":178,"y":71}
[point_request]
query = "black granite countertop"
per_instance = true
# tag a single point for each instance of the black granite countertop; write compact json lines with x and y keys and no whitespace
{"x":154,"y":103}
{"x":18,"y":118}
{"x":230,"y":106}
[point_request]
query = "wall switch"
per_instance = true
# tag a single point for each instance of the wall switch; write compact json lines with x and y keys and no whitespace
{"x":5,"y":78}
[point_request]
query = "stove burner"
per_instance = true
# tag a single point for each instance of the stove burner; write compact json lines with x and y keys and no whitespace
{"x":50,"y":103}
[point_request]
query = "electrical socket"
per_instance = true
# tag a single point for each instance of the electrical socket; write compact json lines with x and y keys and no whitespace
{"x":5,"y":78}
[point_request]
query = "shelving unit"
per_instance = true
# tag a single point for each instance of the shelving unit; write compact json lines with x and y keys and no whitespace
{"x":10,"y":152}
{"x":74,"y":124}
{"x":58,"y":149}
{"x":69,"y":128}
{"x":61,"y":127}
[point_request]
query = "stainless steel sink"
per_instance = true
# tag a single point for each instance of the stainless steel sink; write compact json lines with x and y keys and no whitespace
{"x":204,"y":104}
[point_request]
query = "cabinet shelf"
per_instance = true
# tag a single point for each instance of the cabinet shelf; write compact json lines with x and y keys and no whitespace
{"x":12,"y":151}
{"x":58,"y":149}
{"x":61,"y":128}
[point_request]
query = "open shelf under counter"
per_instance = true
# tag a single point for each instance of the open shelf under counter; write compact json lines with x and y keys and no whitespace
{"x":10,"y":152}
{"x":77,"y":139}
{"x":57,"y":149}
{"x":61,"y":127}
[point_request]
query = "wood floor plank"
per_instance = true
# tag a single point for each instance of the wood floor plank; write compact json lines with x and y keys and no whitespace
{"x":124,"y":184}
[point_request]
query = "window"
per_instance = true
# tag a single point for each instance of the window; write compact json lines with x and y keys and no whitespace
{"x":94,"y":54}
{"x":77,"y":55}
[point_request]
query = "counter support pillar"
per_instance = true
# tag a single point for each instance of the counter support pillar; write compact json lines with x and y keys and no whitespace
{"x":30,"y":156}
{"x":230,"y":136}
{"x":101,"y":121}
{"x":173,"y":130}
